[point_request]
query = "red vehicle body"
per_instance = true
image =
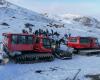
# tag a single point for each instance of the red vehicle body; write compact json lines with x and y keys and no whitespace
{"x":15,"y":44}
{"x":34,"y":43}
{"x":83,"y":43}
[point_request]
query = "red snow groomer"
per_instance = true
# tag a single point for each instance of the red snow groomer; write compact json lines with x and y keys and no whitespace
{"x":27,"y":48}
{"x":84,"y":44}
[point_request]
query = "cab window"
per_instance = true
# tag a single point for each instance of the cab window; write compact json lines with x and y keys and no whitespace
{"x":84,"y":40}
{"x":14,"y":39}
{"x":19,"y":39}
{"x":46,"y":43}
{"x":73,"y":40}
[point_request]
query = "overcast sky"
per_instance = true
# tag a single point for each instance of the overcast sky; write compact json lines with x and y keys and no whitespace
{"x":83,"y":7}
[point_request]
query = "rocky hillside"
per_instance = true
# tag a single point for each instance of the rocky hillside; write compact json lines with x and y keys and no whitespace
{"x":83,"y":20}
{"x":78,"y":25}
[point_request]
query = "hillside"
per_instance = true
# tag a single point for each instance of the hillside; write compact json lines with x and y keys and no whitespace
{"x":14,"y":18}
{"x":78,"y":25}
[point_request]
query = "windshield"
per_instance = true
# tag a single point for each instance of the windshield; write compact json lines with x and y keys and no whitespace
{"x":73,"y":40}
{"x":84,"y":40}
{"x":46,"y":43}
{"x":20,"y":39}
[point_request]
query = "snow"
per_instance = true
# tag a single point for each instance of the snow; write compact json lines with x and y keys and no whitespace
{"x":70,"y":16}
{"x":56,"y":70}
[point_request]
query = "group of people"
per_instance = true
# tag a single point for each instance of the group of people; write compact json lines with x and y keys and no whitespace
{"x":49,"y":33}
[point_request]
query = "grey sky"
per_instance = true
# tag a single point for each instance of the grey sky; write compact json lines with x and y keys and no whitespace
{"x":83,"y":7}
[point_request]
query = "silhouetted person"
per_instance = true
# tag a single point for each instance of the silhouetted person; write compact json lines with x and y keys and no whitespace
{"x":36,"y":32}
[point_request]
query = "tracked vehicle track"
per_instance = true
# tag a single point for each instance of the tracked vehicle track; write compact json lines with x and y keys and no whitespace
{"x":60,"y":54}
{"x":33,"y":58}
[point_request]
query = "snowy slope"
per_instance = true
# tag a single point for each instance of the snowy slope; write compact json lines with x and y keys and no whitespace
{"x":83,"y":20}
{"x":77,"y":25}
{"x":13,"y":19}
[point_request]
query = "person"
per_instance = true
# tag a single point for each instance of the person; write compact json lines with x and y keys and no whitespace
{"x":47,"y":31}
{"x":66,"y":36}
{"x":23,"y":31}
{"x":40,"y":31}
{"x":62,"y":41}
{"x":44,"y":33}
{"x":36,"y":32}
{"x":3,"y":58}
{"x":69,"y":35}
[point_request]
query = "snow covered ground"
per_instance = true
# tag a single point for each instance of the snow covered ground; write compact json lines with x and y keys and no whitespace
{"x":55,"y":70}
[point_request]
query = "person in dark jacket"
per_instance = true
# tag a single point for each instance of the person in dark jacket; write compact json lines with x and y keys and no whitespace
{"x":36,"y":32}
